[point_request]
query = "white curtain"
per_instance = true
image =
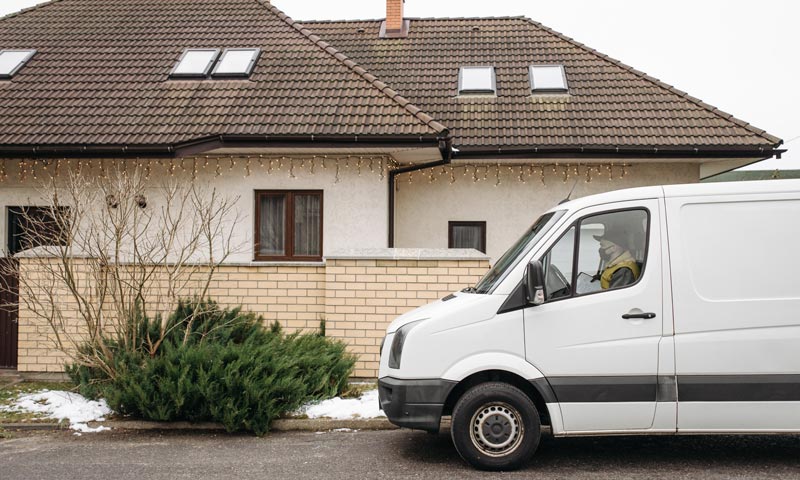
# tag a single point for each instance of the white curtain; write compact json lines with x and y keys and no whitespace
{"x":271,"y":235}
{"x":467,"y":236}
{"x":307,"y":218}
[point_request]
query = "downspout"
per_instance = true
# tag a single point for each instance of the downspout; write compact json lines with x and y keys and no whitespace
{"x":447,"y":154}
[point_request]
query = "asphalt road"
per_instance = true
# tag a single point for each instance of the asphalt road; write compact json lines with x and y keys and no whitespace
{"x":382,"y":454}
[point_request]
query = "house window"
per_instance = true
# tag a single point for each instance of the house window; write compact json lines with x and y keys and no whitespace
{"x":288,"y":225}
{"x":479,"y":80}
{"x":12,"y":60}
{"x":236,"y":62}
{"x":195,"y":63}
{"x":202,"y":62}
{"x":467,"y":235}
{"x":548,"y":79}
{"x":30,"y":227}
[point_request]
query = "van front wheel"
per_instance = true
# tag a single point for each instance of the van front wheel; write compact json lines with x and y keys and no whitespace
{"x":495,"y":426}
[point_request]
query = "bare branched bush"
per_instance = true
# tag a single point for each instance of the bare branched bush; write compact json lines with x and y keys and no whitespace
{"x":108,"y":252}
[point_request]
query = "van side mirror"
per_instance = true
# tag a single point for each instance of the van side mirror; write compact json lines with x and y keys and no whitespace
{"x":534,"y":283}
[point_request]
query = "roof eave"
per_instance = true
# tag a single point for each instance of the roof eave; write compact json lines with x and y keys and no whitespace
{"x":207,"y":144}
{"x":617,"y":152}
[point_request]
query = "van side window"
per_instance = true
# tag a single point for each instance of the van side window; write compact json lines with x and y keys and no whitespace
{"x":611,"y":250}
{"x":557,"y":265}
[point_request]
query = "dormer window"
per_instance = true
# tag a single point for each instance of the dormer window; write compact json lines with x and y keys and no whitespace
{"x":548,"y":79}
{"x":12,"y":60}
{"x":195,"y":63}
{"x":236,"y":62}
{"x":476,"y":80}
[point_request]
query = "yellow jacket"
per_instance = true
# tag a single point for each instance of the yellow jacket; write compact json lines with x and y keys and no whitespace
{"x":625,"y":260}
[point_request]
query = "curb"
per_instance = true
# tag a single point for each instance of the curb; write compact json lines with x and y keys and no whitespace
{"x":318,"y":424}
{"x":279,"y":425}
{"x":34,"y":426}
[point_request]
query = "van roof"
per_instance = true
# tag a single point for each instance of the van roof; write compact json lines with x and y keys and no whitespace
{"x":686,"y":190}
{"x":733,"y":188}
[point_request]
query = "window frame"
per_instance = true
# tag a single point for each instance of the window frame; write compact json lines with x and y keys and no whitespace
{"x":576,"y":250}
{"x":10,"y":75}
{"x":461,"y":90}
{"x":477,"y":223}
{"x":288,"y":226}
{"x":16,"y":211}
{"x":206,"y":70}
{"x":550,"y":249}
{"x":535,"y":90}
{"x":248,"y":71}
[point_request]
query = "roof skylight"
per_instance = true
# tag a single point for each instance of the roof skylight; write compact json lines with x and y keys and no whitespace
{"x":195,"y":62}
{"x":236,"y":62}
{"x":476,"y":80}
{"x":12,"y":60}
{"x":548,"y":78}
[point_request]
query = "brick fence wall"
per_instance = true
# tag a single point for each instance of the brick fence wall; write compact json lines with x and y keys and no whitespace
{"x":357,"y":294}
{"x":37,"y":346}
{"x":362,"y":296}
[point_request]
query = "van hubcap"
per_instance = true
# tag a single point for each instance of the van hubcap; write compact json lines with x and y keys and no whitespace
{"x":496,"y":429}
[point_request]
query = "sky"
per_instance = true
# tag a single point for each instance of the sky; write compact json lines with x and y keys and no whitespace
{"x":739,"y":55}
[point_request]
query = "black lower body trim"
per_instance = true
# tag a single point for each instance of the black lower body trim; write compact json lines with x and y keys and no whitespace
{"x":667,"y":388}
{"x":739,"y":388}
{"x":605,"y":389}
{"x":414,"y":404}
{"x":545,"y":389}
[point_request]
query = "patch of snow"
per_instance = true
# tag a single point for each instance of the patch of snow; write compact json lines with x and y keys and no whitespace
{"x":62,"y":405}
{"x":346,"y":408}
{"x":344,"y":430}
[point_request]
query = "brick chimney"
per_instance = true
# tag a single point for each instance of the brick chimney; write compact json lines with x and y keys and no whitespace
{"x":395,"y":26}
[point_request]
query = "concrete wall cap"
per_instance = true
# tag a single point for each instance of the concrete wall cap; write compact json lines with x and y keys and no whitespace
{"x":48,"y":252}
{"x":407,"y":254}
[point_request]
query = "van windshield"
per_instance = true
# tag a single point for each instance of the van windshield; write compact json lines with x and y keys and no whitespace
{"x":512,"y":256}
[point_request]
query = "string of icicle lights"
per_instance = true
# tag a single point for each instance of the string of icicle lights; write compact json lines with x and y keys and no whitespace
{"x":292,"y":166}
{"x":245,"y":165}
{"x":521,"y":173}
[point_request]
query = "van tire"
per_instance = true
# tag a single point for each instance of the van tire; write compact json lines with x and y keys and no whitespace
{"x":495,"y":426}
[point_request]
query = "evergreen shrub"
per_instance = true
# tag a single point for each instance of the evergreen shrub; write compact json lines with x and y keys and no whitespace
{"x":222,"y":366}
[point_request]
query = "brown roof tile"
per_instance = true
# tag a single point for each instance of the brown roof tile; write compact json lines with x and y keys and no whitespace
{"x":101,"y":76}
{"x":609,"y":104}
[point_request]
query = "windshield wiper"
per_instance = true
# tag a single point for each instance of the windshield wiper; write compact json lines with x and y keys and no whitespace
{"x":469,"y":290}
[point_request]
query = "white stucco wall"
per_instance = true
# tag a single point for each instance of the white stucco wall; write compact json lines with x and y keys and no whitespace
{"x":354,"y":209}
{"x":423,"y":209}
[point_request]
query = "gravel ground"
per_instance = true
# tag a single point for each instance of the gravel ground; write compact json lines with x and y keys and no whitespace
{"x":382,"y":454}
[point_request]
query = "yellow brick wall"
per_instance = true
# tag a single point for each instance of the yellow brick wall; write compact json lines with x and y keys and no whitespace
{"x":37,"y":345}
{"x":363,"y":296}
{"x":292,"y":295}
{"x":357,"y":298}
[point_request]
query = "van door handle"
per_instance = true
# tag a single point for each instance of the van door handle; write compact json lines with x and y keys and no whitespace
{"x":646,"y":315}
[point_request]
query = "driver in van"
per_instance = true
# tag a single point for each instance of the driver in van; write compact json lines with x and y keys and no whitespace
{"x":618,"y":266}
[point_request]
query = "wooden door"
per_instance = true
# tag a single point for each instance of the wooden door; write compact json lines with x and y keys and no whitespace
{"x":9,"y":294}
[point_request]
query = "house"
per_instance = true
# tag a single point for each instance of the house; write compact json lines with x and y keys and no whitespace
{"x":386,"y":142}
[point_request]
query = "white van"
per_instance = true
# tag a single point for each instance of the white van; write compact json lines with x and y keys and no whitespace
{"x":654,"y":310}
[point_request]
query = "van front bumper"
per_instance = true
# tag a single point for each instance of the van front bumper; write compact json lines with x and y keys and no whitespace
{"x":414,"y":404}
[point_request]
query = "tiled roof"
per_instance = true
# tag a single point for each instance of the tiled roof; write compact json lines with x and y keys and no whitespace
{"x":609,"y":104}
{"x":101,"y":77}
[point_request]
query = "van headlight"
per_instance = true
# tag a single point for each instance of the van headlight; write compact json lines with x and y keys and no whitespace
{"x":397,"y":343}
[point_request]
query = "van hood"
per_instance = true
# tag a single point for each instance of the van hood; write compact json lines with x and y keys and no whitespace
{"x":450,"y":303}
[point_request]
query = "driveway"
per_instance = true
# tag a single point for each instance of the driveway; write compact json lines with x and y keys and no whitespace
{"x":382,"y":454}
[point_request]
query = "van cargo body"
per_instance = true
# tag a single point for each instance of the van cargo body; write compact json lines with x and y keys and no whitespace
{"x":671,"y":309}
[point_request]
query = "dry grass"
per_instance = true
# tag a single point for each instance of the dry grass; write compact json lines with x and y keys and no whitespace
{"x":355,"y":390}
